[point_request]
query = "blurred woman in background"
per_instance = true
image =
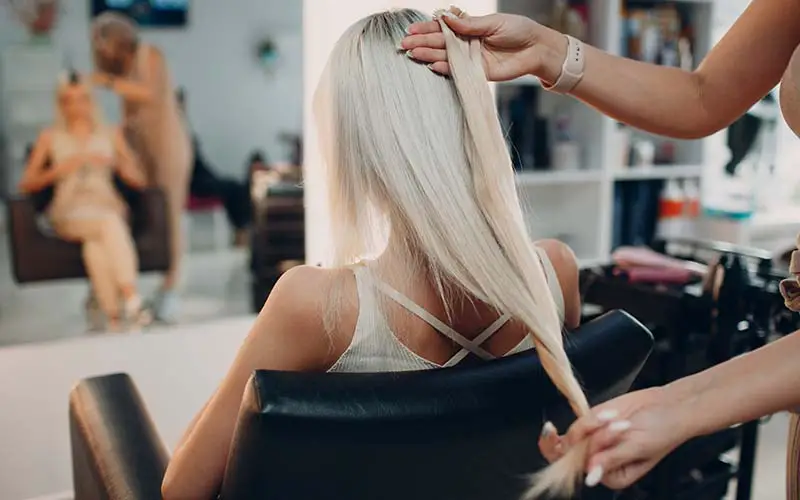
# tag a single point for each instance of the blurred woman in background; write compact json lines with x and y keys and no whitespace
{"x":86,"y":208}
{"x":152,"y":125}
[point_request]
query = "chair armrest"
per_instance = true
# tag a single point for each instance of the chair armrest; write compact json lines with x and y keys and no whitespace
{"x":24,"y":234}
{"x":116,"y":451}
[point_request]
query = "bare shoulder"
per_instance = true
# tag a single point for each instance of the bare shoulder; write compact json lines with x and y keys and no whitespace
{"x":154,"y":58}
{"x":562,"y":257}
{"x":306,"y":287}
{"x":295,"y":312}
{"x":45,"y":137}
{"x":565,"y":264}
{"x":153,"y":53}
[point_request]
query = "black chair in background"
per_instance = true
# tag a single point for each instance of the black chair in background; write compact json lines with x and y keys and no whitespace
{"x":39,"y":256}
{"x":464,"y":433}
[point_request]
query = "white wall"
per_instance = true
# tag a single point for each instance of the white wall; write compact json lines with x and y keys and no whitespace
{"x":233,"y":104}
{"x":176,"y":371}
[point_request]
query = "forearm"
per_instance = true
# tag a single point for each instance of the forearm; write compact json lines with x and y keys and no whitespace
{"x":128,"y":89}
{"x":133,"y":177}
{"x":745,"y":388}
{"x":659,"y":99}
{"x":33,"y":183}
{"x":669,"y":101}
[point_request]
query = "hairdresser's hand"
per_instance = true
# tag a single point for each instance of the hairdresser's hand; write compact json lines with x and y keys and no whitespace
{"x":102,"y":79}
{"x":513,"y":46}
{"x":627,"y":437}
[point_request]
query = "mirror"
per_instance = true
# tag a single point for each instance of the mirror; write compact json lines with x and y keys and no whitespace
{"x":207,"y":99}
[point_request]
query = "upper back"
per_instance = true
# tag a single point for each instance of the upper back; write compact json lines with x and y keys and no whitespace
{"x":414,"y":329}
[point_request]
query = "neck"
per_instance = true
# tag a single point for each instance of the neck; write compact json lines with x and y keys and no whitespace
{"x":400,"y":251}
{"x":80,"y":126}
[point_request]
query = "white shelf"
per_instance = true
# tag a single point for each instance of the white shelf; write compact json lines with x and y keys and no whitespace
{"x":584,"y":262}
{"x":549,"y":178}
{"x":659,"y":172}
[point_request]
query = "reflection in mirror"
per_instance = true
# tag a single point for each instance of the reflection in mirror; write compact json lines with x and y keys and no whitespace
{"x":145,"y":214}
{"x":151,"y":194}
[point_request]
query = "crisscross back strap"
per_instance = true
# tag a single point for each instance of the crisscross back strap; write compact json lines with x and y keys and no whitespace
{"x":467,"y":346}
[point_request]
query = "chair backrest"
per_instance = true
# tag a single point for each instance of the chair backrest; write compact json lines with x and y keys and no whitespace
{"x":466,"y":433}
{"x":38,"y":257}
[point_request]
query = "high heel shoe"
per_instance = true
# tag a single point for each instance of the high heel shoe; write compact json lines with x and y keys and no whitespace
{"x":136,"y":316}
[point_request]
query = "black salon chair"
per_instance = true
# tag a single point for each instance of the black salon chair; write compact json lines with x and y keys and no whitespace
{"x":39,"y":256}
{"x":464,"y":433}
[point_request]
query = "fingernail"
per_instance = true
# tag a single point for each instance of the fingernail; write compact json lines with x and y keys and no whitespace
{"x":607,"y":415}
{"x":594,"y":476}
{"x":548,"y":429}
{"x":409,"y":54}
{"x":619,"y":426}
{"x":408,"y":30}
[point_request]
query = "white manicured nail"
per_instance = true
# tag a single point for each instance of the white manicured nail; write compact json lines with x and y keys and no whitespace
{"x":594,"y":476}
{"x":607,"y":415}
{"x":619,"y":426}
{"x":548,"y":429}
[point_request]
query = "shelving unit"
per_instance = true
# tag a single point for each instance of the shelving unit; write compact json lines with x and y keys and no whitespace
{"x":577,"y":205}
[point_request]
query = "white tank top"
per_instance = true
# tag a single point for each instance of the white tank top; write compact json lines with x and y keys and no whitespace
{"x":375,"y":347}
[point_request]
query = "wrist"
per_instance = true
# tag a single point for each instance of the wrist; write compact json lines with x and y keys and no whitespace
{"x":682,"y":399}
{"x":552,"y":51}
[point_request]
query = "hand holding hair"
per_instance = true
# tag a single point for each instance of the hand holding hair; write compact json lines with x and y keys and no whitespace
{"x":512,"y":46}
{"x":627,"y":437}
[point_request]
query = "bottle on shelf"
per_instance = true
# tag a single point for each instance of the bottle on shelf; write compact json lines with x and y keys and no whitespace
{"x":671,"y":213}
{"x":691,"y":206}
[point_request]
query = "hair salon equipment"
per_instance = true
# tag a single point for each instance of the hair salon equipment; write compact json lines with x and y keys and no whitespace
{"x":277,"y":239}
{"x":735,"y":308}
{"x":744,"y":185}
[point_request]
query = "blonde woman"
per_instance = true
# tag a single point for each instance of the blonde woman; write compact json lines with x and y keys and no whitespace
{"x":153,"y":126}
{"x":422,"y":158}
{"x":83,"y":156}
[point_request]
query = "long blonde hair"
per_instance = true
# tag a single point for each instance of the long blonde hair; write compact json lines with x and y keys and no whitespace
{"x":424,"y":157}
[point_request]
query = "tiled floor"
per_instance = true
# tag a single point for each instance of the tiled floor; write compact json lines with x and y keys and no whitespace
{"x":216,"y":285}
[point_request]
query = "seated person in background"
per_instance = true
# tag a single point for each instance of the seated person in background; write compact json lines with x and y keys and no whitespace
{"x":206,"y":184}
{"x":455,"y":279}
{"x":86,"y":208}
